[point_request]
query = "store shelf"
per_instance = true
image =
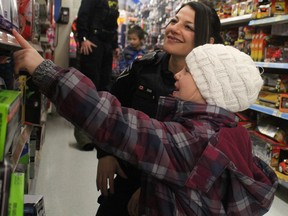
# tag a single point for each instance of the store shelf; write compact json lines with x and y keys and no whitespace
{"x":270,"y":20}
{"x":8,"y":42}
{"x":269,"y":111}
{"x":272,"y":65}
{"x":283,"y":179}
{"x":19,"y":145}
{"x":236,"y":20}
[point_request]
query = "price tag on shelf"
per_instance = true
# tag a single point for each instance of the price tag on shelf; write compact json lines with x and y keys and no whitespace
{"x":277,"y":113}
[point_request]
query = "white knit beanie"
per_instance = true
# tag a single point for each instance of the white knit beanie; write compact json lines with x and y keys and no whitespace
{"x":225,"y":76}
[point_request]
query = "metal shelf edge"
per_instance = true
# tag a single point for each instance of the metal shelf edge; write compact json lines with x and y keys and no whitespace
{"x":269,"y":111}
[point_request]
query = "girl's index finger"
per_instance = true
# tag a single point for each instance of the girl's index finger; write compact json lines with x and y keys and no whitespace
{"x":23,"y":43}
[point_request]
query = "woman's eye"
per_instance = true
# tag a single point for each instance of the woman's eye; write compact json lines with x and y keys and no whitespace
{"x":191,"y":28}
{"x":173,"y":21}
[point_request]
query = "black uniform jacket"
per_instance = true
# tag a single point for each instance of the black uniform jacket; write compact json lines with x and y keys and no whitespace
{"x":141,"y":84}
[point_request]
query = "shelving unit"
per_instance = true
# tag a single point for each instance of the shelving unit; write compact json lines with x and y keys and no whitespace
{"x":269,"y":21}
{"x":269,"y":111}
{"x":33,"y":18}
{"x":236,"y":20}
{"x":8,"y":42}
{"x":279,"y":67}
{"x":272,"y":65}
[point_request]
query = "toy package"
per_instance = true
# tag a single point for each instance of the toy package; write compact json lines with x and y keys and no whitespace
{"x":16,"y":196}
{"x":5,"y":15}
{"x":25,"y":12}
{"x":5,"y":179}
{"x":34,"y":205}
{"x":9,"y":119}
{"x":14,"y":14}
{"x":34,"y":104}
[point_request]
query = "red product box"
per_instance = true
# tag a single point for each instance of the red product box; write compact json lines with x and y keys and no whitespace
{"x":25,"y":12}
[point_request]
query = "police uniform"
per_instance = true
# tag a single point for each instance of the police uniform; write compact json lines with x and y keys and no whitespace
{"x":97,"y":22}
{"x":138,"y":87}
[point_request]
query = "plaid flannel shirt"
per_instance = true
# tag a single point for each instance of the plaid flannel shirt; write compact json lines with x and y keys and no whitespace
{"x":195,"y":161}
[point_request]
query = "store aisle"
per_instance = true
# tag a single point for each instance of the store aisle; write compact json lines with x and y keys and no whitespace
{"x":66,"y":175}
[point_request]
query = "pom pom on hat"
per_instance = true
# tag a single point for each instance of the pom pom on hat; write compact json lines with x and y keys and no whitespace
{"x":225,"y":76}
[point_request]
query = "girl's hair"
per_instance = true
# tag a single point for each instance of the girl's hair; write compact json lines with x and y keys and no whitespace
{"x":135,"y":29}
{"x":207,"y":23}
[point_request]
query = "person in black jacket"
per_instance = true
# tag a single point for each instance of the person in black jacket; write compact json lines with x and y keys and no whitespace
{"x":98,"y":38}
{"x":140,"y":87}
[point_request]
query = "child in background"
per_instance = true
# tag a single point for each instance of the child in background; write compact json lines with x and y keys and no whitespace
{"x":135,"y":48}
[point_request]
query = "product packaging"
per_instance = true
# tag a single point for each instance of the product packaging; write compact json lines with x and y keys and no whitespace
{"x":34,"y":205}
{"x":9,"y":119}
{"x":16,"y":196}
{"x":5,"y":179}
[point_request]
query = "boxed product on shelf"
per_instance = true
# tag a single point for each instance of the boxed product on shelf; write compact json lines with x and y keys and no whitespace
{"x":34,"y":205}
{"x":283,"y":161}
{"x":279,"y":7}
{"x":32,"y":158}
{"x":16,"y":196}
{"x":25,"y":13}
{"x":6,"y":66}
{"x":5,"y":179}
{"x":23,"y":165}
{"x":283,"y":105}
{"x":269,"y":99}
{"x":34,"y":104}
{"x":5,"y":15}
{"x":266,"y":149}
{"x":9,"y":119}
{"x":14,"y":14}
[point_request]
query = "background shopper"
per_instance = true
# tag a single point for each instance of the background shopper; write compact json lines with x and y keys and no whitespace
{"x":134,"y":49}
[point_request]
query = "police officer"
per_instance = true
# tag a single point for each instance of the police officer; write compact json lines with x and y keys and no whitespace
{"x":98,"y":38}
{"x":97,"y":33}
{"x":139,"y":87}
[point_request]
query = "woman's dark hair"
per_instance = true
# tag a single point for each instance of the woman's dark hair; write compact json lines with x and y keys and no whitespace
{"x":207,"y":23}
{"x":135,"y":29}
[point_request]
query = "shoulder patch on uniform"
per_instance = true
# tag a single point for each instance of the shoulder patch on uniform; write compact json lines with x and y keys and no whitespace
{"x":149,"y":57}
{"x":125,"y":73}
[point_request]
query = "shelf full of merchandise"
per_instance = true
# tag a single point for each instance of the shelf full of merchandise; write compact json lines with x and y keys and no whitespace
{"x":9,"y":43}
{"x":248,"y":20}
{"x":28,"y":132}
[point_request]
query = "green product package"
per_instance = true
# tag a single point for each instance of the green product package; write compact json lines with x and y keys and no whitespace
{"x":10,"y":112}
{"x":16,"y":197}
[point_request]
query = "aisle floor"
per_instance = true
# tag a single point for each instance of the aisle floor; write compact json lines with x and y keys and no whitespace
{"x":67,"y":176}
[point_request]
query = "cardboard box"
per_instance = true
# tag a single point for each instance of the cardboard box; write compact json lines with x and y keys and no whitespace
{"x":16,"y":196}
{"x":34,"y":104}
{"x":5,"y":15}
{"x":34,"y":205}
{"x":23,"y":165}
{"x":9,"y":119}
{"x":5,"y":180}
{"x":25,"y":13}
{"x":266,"y":149}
